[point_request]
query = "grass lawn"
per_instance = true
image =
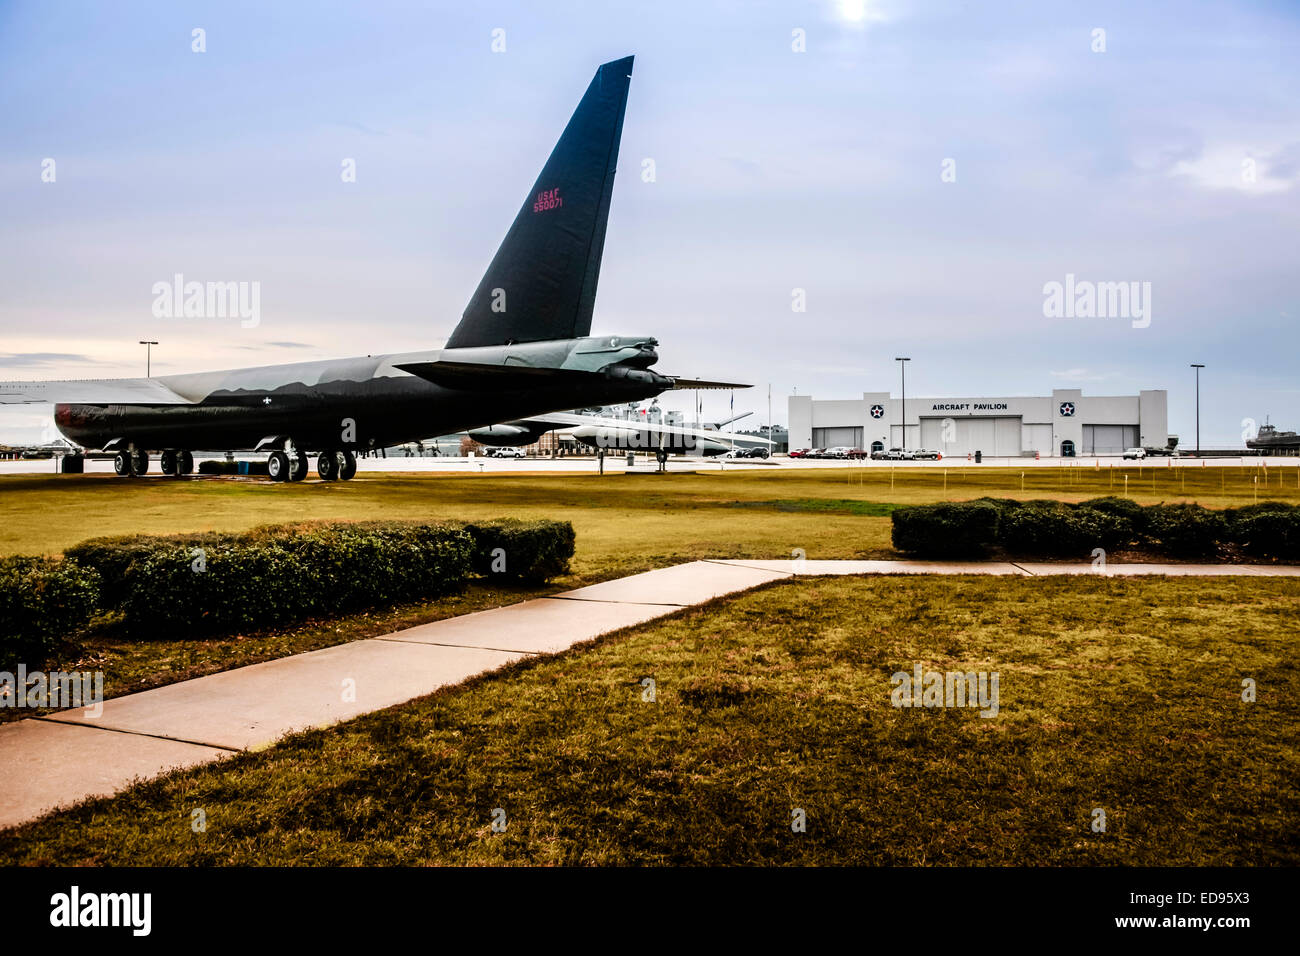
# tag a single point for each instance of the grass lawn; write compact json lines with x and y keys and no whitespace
{"x":1119,"y":694}
{"x":624,"y":524}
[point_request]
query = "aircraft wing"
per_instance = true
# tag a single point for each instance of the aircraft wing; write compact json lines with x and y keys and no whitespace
{"x":91,"y":391}
{"x":685,"y":383}
{"x":570,"y":420}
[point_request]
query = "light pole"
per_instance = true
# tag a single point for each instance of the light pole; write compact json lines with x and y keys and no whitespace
{"x":148,"y":355}
{"x":1198,"y":368}
{"x":902,"y":417}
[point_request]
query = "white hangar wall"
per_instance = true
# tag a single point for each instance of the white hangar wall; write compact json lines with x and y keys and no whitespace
{"x":1064,"y":421}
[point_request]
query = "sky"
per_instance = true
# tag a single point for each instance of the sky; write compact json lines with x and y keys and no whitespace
{"x":919,"y":172}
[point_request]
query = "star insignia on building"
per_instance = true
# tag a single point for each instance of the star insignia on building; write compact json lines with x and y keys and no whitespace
{"x":1067,"y":409}
{"x":877,"y":411}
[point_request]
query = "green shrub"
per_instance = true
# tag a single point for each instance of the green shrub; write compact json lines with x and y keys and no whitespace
{"x":1270,"y":530}
{"x":1235,"y":515}
{"x":113,"y":556}
{"x":1052,"y":528}
{"x":1184,"y":531}
{"x":280,"y":574}
{"x":953,"y":530}
{"x":1125,"y":508}
{"x":228,"y":586}
{"x":43,"y":601}
{"x":1004,"y":505}
{"x":529,"y":551}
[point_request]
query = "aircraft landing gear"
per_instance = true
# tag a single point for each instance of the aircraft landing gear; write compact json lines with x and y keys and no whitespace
{"x":287,"y":465}
{"x":131,"y":464}
{"x":336,"y":465}
{"x":327,"y":465}
{"x":277,"y":466}
{"x":176,"y":462}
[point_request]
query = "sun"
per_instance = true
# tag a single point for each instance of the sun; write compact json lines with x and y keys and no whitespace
{"x":859,"y":13}
{"x":854,"y":11}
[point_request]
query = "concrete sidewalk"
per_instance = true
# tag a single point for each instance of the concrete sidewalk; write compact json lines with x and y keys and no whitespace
{"x":62,"y":758}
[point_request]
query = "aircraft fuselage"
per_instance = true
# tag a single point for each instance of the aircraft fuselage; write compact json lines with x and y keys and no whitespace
{"x":352,"y":403}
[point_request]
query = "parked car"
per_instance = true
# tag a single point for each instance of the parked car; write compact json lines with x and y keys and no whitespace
{"x":925,"y":454}
{"x":899,"y":454}
{"x":800,"y":453}
{"x":757,"y":452}
{"x":1135,"y":453}
{"x":504,"y":453}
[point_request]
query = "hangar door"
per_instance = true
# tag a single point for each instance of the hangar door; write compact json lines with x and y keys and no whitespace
{"x":1108,"y":439}
{"x":837,"y":437}
{"x":992,"y":436}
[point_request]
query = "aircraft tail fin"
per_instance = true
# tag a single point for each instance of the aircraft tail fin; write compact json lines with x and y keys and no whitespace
{"x":542,"y":281}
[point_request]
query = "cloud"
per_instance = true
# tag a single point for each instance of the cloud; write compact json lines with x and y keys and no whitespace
{"x":275,"y":345}
{"x":42,"y":359}
{"x":1226,"y":166}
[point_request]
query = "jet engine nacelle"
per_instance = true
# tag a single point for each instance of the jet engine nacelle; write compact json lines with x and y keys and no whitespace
{"x":511,"y":436}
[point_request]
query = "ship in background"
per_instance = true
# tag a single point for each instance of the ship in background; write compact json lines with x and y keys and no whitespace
{"x":1269,"y":439}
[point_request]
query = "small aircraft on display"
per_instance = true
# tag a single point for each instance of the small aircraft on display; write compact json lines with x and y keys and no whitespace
{"x":606,"y":432}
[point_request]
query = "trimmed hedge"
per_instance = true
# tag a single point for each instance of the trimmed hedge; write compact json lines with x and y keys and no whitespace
{"x":1053,"y":528}
{"x":1184,"y":531}
{"x":1125,"y":508}
{"x":955,"y":530}
{"x":527,"y":551}
{"x":43,"y":601}
{"x":323,"y":570}
{"x":113,"y":557}
{"x":1270,"y":529}
{"x":278,"y":573}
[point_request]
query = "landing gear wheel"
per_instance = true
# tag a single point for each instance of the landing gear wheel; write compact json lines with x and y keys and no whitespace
{"x":122,"y":464}
{"x":184,"y":463}
{"x":348,"y":467}
{"x":139,"y":463}
{"x":277,"y":466}
{"x":327,"y":465}
{"x":298,"y":467}
{"x":167,"y":462}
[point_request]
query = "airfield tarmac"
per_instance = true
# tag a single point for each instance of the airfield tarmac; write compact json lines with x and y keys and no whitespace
{"x":580,"y":464}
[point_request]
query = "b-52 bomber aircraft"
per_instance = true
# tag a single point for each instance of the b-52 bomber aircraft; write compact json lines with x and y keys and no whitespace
{"x":522,"y":348}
